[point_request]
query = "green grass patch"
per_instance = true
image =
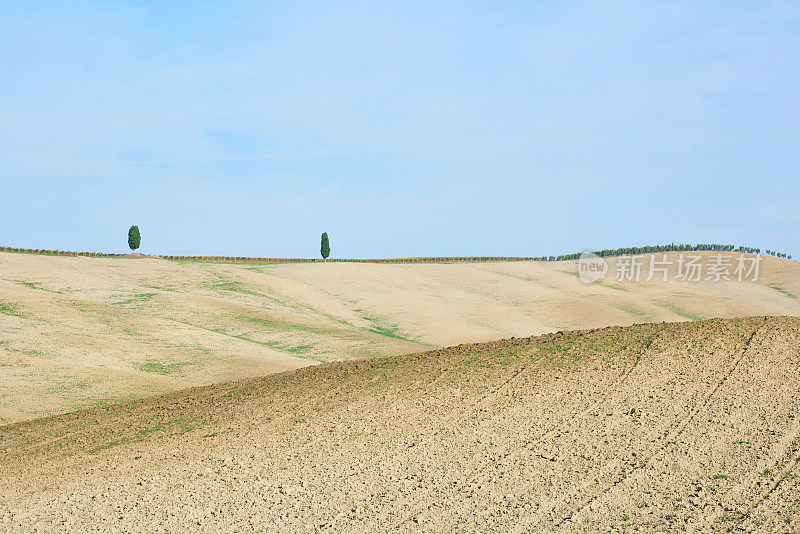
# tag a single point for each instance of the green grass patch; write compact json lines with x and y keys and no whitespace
{"x":261,"y":268}
{"x":388,"y":331}
{"x":34,"y":353}
{"x":31,"y":285}
{"x":149,"y":285}
{"x":780,"y":289}
{"x":159,"y":368}
{"x":299,"y":350}
{"x":61,"y":388}
{"x":284,"y":326}
{"x":259,"y":321}
{"x":635,"y":312}
{"x":137,"y":298}
{"x":199,"y":349}
{"x":36,"y":285}
{"x":677,"y":311}
{"x":233,"y":286}
{"x":391,"y":331}
{"x":610,"y":285}
{"x":7,"y":308}
{"x":230,"y":286}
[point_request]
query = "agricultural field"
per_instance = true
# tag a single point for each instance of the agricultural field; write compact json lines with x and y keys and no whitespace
{"x":657,"y":427}
{"x":79,"y":332}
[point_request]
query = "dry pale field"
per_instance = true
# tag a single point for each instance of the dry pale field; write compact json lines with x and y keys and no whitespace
{"x":655,"y":427}
{"x":80,"y":332}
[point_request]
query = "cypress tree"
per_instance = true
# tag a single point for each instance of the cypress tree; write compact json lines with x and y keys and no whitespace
{"x":134,"y":238}
{"x":325,"y":247}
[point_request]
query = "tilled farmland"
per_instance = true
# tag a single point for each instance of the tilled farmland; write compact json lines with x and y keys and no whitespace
{"x":658,"y":426}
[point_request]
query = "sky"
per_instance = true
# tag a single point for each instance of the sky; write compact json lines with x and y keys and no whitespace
{"x":515,"y":128}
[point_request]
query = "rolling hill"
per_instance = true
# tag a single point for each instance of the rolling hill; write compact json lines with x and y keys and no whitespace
{"x":658,"y":426}
{"x":79,"y":332}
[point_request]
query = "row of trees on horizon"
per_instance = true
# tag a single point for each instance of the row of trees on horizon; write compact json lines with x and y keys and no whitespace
{"x":135,"y":240}
{"x":672,"y":247}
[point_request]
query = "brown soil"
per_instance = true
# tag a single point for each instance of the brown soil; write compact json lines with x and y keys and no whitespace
{"x":658,"y":427}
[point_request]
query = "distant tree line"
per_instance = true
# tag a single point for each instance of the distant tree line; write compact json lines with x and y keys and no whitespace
{"x":441,"y":259}
{"x":446,"y":259}
{"x":672,"y":247}
{"x":47,"y":252}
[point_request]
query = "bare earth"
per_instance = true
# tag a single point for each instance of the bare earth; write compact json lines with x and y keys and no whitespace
{"x":79,"y":332}
{"x":662,"y":427}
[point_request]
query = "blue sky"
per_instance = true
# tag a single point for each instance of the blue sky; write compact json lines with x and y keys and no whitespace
{"x":400,"y":128}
